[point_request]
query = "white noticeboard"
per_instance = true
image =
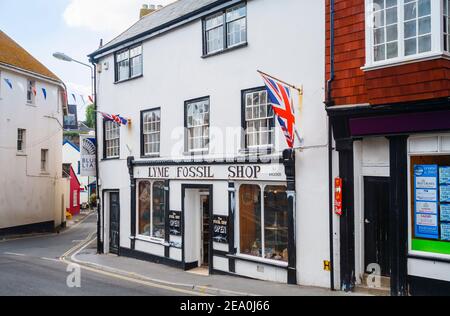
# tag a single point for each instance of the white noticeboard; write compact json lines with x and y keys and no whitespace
{"x":88,"y":147}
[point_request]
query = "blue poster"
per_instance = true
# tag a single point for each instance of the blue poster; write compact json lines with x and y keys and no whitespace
{"x":445,"y":212}
{"x":444,"y":175}
{"x":444,"y":194}
{"x":445,"y":231}
{"x":426,"y":201}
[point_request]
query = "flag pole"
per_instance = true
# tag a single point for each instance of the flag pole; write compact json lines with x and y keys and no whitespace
{"x":300,"y":90}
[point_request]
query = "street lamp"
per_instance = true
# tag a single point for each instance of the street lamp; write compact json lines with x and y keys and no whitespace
{"x":64,"y":57}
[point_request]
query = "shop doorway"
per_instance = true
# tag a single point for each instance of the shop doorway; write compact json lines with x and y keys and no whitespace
{"x":114,"y":215}
{"x":376,"y":225}
{"x":197,"y":202}
{"x":205,"y":230}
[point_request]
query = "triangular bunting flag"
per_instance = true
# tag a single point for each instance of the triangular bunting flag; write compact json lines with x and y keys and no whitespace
{"x":9,"y":83}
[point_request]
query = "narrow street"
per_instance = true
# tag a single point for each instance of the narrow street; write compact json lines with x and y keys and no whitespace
{"x":32,"y":266}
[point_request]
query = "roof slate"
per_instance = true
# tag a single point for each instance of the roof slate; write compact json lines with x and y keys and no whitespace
{"x":159,"y":18}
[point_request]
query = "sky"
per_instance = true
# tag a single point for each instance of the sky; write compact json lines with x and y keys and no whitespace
{"x":73,"y":27}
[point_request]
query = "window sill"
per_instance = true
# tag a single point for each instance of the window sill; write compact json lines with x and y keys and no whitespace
{"x":196,"y":153}
{"x":406,"y":60}
{"x":19,"y":154}
{"x":226,"y":50}
{"x":154,"y":156}
{"x":257,"y":151}
{"x":257,"y":260}
{"x":128,"y":79}
{"x":110,"y":158}
{"x":151,"y":240}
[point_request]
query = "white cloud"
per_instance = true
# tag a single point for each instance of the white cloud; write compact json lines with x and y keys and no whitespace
{"x":112,"y":16}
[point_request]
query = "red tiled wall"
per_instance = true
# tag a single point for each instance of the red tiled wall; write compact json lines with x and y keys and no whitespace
{"x":410,"y":82}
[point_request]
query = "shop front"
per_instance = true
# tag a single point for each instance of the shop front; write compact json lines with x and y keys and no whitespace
{"x":395,"y":165}
{"x":215,"y":217}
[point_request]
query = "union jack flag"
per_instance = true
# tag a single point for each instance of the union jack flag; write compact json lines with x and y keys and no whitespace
{"x":280,"y":98}
{"x":114,"y":118}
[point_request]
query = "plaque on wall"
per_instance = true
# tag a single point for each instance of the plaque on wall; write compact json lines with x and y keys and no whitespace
{"x":175,"y":223}
{"x":220,"y":229}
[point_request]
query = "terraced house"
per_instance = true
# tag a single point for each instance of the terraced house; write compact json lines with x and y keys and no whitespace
{"x":388,"y":100}
{"x":201,"y":175}
{"x":32,"y":195}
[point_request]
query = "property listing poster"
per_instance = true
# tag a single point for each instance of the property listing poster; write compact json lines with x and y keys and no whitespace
{"x":426,"y":201}
{"x":444,"y":199}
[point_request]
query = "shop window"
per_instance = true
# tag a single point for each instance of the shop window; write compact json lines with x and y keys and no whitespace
{"x":158,"y":210}
{"x":275,"y":223}
{"x":430,"y":204}
{"x":250,"y":220}
{"x":151,"y":209}
{"x":263,"y":217}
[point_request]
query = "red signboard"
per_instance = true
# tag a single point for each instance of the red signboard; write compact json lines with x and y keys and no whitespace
{"x":338,"y":196}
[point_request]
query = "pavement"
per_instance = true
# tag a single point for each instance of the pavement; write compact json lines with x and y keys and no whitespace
{"x":198,"y":281}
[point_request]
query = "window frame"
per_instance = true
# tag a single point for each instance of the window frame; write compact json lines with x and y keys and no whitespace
{"x":446,"y":32}
{"x":31,"y":83}
{"x":410,"y":178}
{"x":267,"y":149}
{"x":22,"y":150}
{"x":151,"y":238}
{"x":44,"y":160}
{"x":129,"y":59}
{"x":226,"y":47}
{"x":437,"y":48}
{"x":262,"y":186}
{"x":142,"y":135}
{"x":75,"y":198}
{"x":199,"y":151}
{"x":105,"y":147}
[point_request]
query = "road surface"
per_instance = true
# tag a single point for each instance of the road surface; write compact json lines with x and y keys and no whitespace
{"x":32,"y":266}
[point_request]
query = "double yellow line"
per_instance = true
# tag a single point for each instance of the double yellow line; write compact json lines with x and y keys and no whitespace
{"x":66,"y":258}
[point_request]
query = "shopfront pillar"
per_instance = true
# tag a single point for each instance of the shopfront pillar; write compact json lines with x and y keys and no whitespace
{"x":289,"y":164}
{"x":347,"y":219}
{"x":130,"y":163}
{"x":398,"y":221}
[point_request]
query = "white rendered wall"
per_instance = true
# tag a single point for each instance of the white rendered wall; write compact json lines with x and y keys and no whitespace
{"x":29,"y":196}
{"x":73,"y":156}
{"x":291,"y":49}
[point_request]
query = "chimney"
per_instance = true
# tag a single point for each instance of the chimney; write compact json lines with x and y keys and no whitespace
{"x":146,"y":10}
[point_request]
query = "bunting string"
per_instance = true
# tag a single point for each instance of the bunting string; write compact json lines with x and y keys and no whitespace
{"x":12,"y":84}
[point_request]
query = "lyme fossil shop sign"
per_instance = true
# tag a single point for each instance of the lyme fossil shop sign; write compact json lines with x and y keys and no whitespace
{"x":257,"y":172}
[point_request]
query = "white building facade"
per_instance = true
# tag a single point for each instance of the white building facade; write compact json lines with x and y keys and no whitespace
{"x":72,"y":156}
{"x":202,"y":175}
{"x":31,"y":110}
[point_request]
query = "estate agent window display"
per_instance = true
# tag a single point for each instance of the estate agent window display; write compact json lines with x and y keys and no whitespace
{"x":430,"y":204}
